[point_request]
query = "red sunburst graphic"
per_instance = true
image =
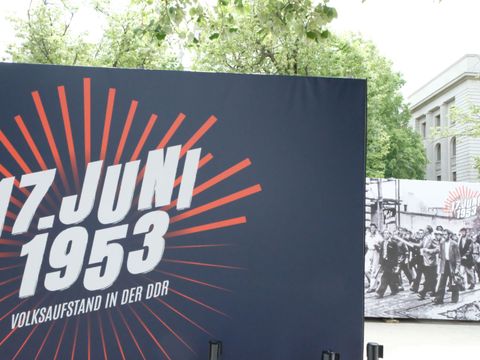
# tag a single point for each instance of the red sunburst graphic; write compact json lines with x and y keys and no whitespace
{"x":116,"y":318}
{"x":459,"y":193}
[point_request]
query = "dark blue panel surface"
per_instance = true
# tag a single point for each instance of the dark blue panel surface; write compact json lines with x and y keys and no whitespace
{"x":286,"y":284}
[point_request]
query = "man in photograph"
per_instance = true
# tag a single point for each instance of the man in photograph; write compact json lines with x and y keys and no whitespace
{"x":448,"y":266}
{"x":403,"y":259}
{"x":429,"y":252}
{"x":466,"y":253}
{"x":373,"y":240}
{"x":416,"y":261}
{"x":388,"y":265}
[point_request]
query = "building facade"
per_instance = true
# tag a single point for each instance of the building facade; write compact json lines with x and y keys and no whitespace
{"x":449,"y":158}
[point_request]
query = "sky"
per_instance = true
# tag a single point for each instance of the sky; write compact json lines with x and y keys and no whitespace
{"x":420,"y":37}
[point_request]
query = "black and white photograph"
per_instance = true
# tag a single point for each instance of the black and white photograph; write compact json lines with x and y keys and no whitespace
{"x":422,"y":249}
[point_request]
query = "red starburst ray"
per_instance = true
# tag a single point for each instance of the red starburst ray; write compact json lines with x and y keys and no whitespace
{"x":10,"y":229}
{"x":16,"y":202}
{"x":195,"y":281}
{"x":25,"y":341}
{"x":9,"y":295}
{"x":116,"y":335}
{"x":217,"y":203}
{"x":11,"y":267}
{"x":455,"y":193}
{"x":214,"y":180}
{"x":75,"y":336}
{"x":131,"y":333}
{"x":102,"y":337}
{"x":459,"y":193}
{"x":13,"y":309}
{"x":36,"y":153}
{"x":126,"y":130}
{"x":189,"y":144}
{"x":196,"y":263}
{"x":62,"y":334}
{"x":203,"y":161}
{"x":198,"y":302}
{"x":146,"y":328}
{"x":183,"y":316}
{"x":8,"y":254}
{"x":11,"y":215}
{"x":14,"y":153}
{"x":178,"y":337}
{"x":68,"y":135}
{"x":8,"y":336}
{"x":4,"y":282}
{"x":44,"y":341}
{"x":6,"y":173}
{"x":198,"y":135}
{"x":171,"y":131}
{"x":107,"y":123}
{"x":89,"y":337}
{"x":207,"y":227}
{"x":16,"y":328}
{"x":144,"y":137}
{"x":30,"y":142}
{"x":51,"y":140}
{"x":11,"y":242}
{"x":87,"y":118}
{"x":166,"y":138}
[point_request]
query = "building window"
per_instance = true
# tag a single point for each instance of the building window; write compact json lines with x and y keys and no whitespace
{"x":439,"y":177}
{"x":437,"y":120}
{"x":438,"y":152}
{"x":454,"y":176}
{"x":453,"y":147}
{"x":423,"y":128}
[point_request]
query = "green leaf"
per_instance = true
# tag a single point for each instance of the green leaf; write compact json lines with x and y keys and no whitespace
{"x":160,"y":35}
{"x":214,"y":36}
{"x":325,"y":34}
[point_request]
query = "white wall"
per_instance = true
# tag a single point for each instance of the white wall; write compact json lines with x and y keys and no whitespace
{"x":417,"y":340}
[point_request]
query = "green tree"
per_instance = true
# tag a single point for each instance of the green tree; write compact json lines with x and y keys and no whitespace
{"x":245,"y":36}
{"x":266,"y":36}
{"x":289,"y":37}
{"x":143,"y":35}
{"x":45,"y":36}
{"x":393,"y":148}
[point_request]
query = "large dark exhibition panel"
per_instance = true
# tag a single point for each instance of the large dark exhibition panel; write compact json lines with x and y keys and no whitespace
{"x":210,"y":206}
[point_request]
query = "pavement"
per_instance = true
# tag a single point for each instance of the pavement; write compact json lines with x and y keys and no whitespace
{"x":406,"y":305}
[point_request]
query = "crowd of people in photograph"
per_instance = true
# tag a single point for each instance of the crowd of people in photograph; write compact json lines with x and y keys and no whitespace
{"x":444,"y":260}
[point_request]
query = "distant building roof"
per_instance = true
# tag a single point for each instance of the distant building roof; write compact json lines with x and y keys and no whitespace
{"x":467,"y":67}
